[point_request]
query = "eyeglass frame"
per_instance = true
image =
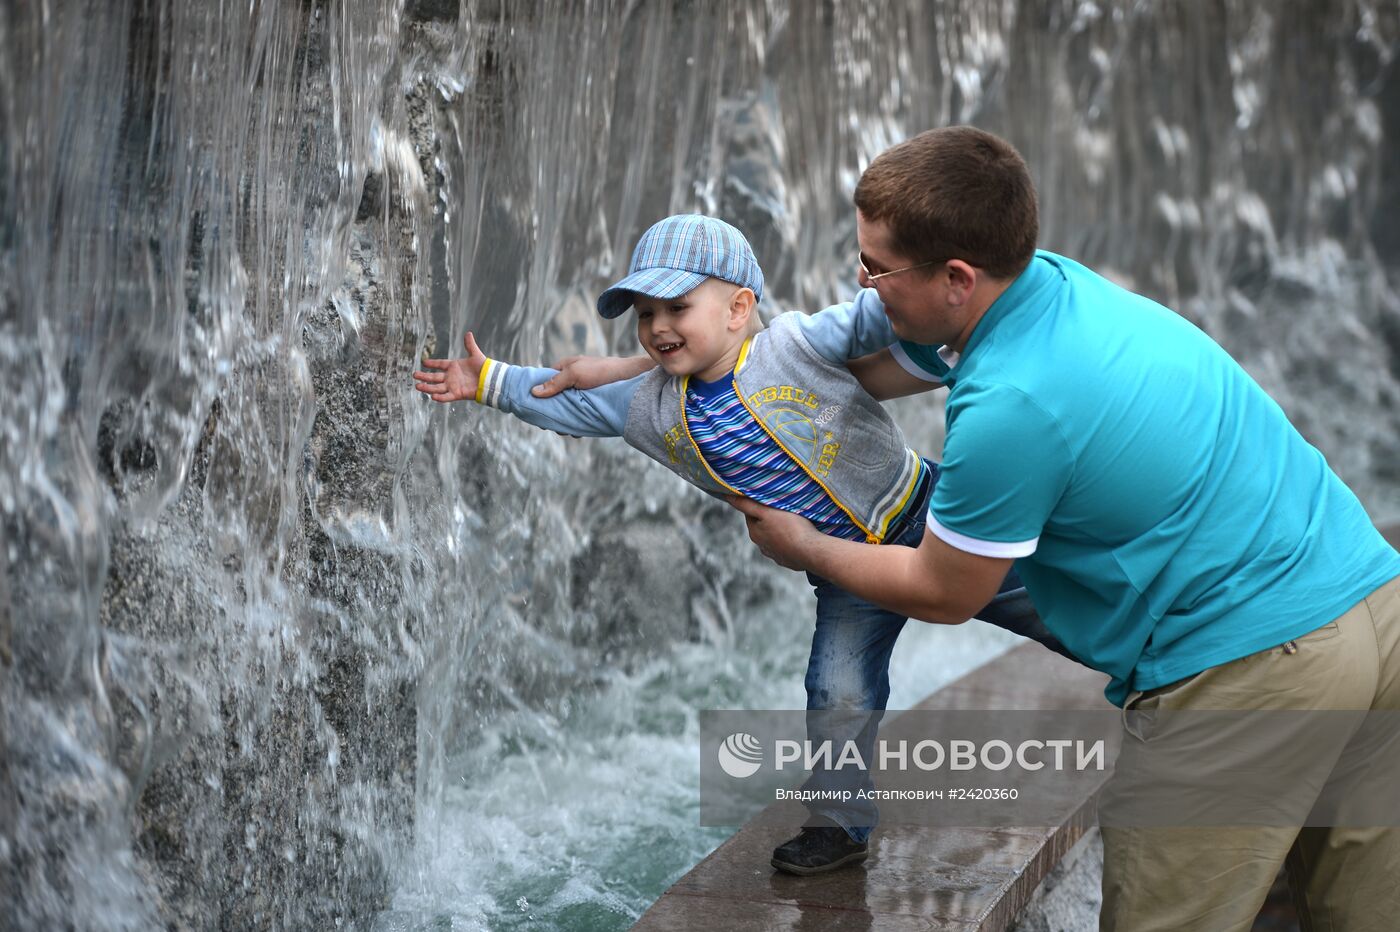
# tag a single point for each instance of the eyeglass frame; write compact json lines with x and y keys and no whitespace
{"x":860,"y":260}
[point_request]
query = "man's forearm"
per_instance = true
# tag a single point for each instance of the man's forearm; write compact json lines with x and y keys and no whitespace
{"x":631,"y":366}
{"x":892,"y":577}
{"x":593,"y":371}
{"x":883,"y":378}
{"x":587,"y":372}
{"x":932,"y":582}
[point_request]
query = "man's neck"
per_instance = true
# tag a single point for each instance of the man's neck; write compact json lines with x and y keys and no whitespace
{"x":984,"y":295}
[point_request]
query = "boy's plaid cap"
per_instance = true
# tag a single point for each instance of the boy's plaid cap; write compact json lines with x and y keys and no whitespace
{"x":679,"y":253}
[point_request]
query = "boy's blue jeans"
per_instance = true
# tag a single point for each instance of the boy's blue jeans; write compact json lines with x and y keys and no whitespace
{"x":849,"y":671}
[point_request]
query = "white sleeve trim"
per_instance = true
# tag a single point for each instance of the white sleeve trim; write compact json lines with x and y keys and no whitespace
{"x":901,"y":356}
{"x":493,"y":381}
{"x":983,"y":548}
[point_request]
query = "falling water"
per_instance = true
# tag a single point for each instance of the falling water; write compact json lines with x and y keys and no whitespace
{"x":283,"y":645}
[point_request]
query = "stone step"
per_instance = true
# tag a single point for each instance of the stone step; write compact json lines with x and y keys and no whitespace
{"x":917,"y":877}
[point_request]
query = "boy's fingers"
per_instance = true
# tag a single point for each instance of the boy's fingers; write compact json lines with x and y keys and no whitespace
{"x":469,"y":341}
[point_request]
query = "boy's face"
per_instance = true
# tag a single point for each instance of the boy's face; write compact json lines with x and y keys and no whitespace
{"x":700,"y":333}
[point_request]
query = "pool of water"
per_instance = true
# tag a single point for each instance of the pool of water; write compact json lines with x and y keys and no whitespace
{"x":585,"y":820}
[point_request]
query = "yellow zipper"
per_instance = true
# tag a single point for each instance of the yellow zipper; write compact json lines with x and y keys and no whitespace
{"x":685,"y":423}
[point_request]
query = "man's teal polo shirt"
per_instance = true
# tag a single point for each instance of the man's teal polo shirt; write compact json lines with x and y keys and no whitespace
{"x":1165,"y":514}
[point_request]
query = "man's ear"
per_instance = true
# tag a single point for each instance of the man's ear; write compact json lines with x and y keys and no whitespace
{"x":961,"y":279}
{"x":741,"y":308}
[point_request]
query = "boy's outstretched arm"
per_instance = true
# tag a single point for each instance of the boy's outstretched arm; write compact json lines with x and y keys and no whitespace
{"x":452,"y":379}
{"x":591,"y":372}
{"x":600,"y":412}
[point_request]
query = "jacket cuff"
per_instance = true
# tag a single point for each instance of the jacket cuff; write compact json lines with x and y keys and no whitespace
{"x":491,"y":383}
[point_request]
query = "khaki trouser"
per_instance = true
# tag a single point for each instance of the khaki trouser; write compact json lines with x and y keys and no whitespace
{"x":1214,"y":879}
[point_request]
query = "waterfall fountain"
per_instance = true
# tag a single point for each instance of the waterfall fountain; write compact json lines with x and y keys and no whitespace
{"x":270,"y":624}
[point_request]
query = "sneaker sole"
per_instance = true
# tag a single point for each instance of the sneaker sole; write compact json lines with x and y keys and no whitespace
{"x":855,"y":857}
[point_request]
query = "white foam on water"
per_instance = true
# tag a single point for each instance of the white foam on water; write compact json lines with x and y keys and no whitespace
{"x":587,"y":831}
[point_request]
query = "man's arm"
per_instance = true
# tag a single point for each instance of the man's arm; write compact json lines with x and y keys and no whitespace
{"x":989,"y":499}
{"x":883,"y":378}
{"x":592,"y":372}
{"x":933,"y":582}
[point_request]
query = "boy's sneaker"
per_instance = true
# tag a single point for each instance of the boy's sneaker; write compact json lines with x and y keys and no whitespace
{"x":817,"y":849}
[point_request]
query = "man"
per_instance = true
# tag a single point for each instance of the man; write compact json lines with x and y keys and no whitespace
{"x":1171,"y":526}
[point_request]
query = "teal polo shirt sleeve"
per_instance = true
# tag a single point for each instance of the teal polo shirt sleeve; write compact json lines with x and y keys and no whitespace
{"x":1006,"y":464}
{"x":920,"y":361}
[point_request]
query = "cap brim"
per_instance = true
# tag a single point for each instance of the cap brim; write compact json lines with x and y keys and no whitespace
{"x":654,"y":283}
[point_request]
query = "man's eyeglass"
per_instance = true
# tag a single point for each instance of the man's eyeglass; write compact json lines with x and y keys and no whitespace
{"x":876,"y":276}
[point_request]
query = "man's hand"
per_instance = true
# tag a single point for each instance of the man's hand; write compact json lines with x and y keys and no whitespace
{"x":781,"y":536}
{"x":455,"y":379}
{"x":591,"y":371}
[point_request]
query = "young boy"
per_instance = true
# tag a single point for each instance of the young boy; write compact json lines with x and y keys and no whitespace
{"x":772,"y":415}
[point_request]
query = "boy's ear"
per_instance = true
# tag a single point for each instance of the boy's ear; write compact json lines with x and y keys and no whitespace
{"x":741,"y":308}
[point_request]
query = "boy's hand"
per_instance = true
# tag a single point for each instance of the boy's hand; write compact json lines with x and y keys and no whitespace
{"x":591,"y":371}
{"x":456,"y":378}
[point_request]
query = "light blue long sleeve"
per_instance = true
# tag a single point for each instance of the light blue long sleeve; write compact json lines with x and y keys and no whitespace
{"x":850,"y":330}
{"x":597,"y":412}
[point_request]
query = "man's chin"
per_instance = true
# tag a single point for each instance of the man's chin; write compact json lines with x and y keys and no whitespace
{"x":902,"y":331}
{"x":912,"y":335}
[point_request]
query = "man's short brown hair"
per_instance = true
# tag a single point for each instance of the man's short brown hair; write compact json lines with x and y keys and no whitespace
{"x":956,"y":192}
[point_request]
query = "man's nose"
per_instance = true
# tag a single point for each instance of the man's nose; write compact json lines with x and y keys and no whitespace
{"x":862,"y":278}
